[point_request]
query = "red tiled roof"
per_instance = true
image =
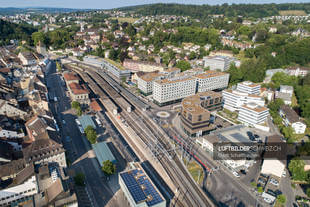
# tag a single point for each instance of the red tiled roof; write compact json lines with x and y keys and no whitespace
{"x":78,"y":89}
{"x":95,"y":106}
{"x":71,"y":76}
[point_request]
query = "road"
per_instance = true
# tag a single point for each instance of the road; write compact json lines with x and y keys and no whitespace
{"x":99,"y":193}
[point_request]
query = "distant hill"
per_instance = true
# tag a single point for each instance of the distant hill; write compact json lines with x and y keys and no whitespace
{"x":202,"y":11}
{"x":13,"y":10}
{"x":10,"y":31}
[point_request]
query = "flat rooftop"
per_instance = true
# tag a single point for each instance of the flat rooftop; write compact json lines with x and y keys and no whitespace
{"x":141,"y":187}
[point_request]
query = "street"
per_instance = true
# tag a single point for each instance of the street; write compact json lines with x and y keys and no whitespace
{"x":99,"y":193}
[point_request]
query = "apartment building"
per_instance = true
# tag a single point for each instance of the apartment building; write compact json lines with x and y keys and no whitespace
{"x":219,"y":62}
{"x":144,"y":66}
{"x":145,"y":80}
{"x":195,"y":114}
{"x":174,"y":89}
{"x":9,"y":109}
{"x":211,"y":80}
{"x":23,"y":187}
{"x":291,"y":118}
{"x":234,"y":99}
{"x":27,"y":58}
{"x":188,"y":83}
{"x":298,"y":71}
{"x":249,"y":87}
{"x":252,"y":114}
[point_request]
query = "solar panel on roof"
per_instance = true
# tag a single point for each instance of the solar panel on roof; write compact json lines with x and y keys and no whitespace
{"x":135,"y":187}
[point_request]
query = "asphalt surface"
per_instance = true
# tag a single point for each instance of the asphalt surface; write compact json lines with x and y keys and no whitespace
{"x":78,"y":148}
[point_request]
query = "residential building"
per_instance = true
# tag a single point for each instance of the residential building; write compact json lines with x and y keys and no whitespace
{"x":291,"y":118}
{"x":249,"y":87}
{"x":79,"y":93}
{"x":145,"y":81}
{"x":271,"y":72}
{"x":22,"y":188}
{"x":211,"y":80}
{"x":221,"y":63}
{"x":181,"y":85}
{"x":174,"y":89}
{"x":226,"y":53}
{"x":195,"y":115}
{"x":286,"y":97}
{"x":298,"y":71}
{"x":44,"y":151}
{"x":27,"y":58}
{"x":41,"y":127}
{"x":234,"y":99}
{"x":139,"y":189}
{"x":252,"y":114}
{"x":287,"y":89}
{"x":11,"y":110}
{"x":144,"y":66}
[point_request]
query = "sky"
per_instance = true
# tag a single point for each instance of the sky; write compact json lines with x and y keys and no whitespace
{"x":109,"y":4}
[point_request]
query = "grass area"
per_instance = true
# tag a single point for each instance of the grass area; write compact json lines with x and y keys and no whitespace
{"x":195,"y":170}
{"x":115,"y":63}
{"x":125,"y":19}
{"x":294,"y":101}
{"x":293,"y":12}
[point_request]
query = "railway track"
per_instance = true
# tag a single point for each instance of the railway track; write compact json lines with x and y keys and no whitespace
{"x":146,"y":131}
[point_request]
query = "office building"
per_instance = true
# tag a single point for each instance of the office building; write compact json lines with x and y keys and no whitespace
{"x":195,"y":115}
{"x":249,"y":87}
{"x":251,"y":114}
{"x":234,"y":99}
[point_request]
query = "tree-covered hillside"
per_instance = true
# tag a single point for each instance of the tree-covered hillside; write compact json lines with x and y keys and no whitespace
{"x":9,"y":31}
{"x":202,"y":11}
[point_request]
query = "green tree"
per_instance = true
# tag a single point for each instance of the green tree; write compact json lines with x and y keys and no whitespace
{"x":91,"y":134}
{"x":38,"y":37}
{"x":296,"y":167}
{"x":236,"y":75}
{"x":183,"y":65}
{"x":281,"y":199}
{"x":108,"y":168}
{"x":58,"y":66}
{"x":308,"y":192}
{"x":79,"y":179}
{"x":260,"y":189}
{"x":75,"y":104}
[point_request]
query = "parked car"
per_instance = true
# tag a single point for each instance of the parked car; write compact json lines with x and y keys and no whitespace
{"x":236,"y":174}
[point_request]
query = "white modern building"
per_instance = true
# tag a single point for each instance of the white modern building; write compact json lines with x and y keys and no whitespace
{"x":211,"y":80}
{"x":173,"y":89}
{"x":249,"y":87}
{"x":287,"y":89}
{"x":188,"y":83}
{"x":252,"y":114}
{"x":221,"y":63}
{"x":234,"y":99}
